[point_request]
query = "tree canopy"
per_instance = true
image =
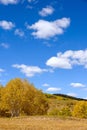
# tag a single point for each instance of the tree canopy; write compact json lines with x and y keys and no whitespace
{"x":19,"y":96}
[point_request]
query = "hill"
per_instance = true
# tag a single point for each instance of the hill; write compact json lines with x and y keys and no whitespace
{"x":64,"y":105}
{"x":70,"y":97}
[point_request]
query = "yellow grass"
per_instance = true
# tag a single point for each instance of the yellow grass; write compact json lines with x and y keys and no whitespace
{"x":42,"y":123}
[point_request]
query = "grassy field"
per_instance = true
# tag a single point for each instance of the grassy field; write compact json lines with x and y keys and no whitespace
{"x":42,"y":123}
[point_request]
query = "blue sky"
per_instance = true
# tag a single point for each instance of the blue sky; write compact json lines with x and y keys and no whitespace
{"x":45,"y":42}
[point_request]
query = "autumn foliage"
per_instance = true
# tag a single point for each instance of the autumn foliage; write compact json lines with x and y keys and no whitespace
{"x":80,"y":110}
{"x":20,"y":97}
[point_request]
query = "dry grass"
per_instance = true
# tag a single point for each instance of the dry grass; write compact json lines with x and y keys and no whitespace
{"x":42,"y":123}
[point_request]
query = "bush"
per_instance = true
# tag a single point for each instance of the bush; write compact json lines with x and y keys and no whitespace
{"x":80,"y":109}
{"x":65,"y":111}
{"x":54,"y":112}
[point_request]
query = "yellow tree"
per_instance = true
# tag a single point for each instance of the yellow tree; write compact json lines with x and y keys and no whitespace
{"x":40,"y":103}
{"x":28,"y":98}
{"x":12,"y":96}
{"x":21,"y":96}
{"x":1,"y":87}
{"x":35,"y":101}
{"x":80,"y":109}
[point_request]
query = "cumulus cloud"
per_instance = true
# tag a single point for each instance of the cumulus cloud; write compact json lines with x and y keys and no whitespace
{"x":59,"y":63}
{"x":6,"y":2}
{"x":4,"y":45}
{"x":77,"y":85}
{"x":29,"y":71}
{"x":6,"y":25}
{"x":53,"y":89}
{"x":46,"y":11}
{"x":44,"y":29}
{"x":68,"y":59}
{"x":19,"y":32}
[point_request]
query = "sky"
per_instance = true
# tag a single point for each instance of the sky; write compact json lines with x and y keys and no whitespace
{"x":45,"y":42}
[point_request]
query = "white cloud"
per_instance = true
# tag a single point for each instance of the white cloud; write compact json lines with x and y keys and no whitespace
{"x":59,"y":63}
{"x":29,"y":71}
{"x":72,"y":94}
{"x":77,"y":85}
{"x":7,"y":25}
{"x":53,"y":89}
{"x":68,"y":59}
{"x":45,"y":85}
{"x":4,"y":45}
{"x":19,"y":32}
{"x":6,"y":2}
{"x":46,"y":11}
{"x":1,"y":70}
{"x":44,"y":29}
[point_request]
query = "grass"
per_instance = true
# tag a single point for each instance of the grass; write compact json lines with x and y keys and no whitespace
{"x":42,"y":123}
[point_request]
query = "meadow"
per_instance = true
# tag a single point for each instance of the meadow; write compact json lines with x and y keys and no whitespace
{"x":42,"y":123}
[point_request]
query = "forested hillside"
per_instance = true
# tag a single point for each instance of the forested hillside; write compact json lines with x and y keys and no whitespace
{"x":62,"y":105}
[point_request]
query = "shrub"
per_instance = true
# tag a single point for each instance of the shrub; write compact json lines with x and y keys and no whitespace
{"x":65,"y":111}
{"x":80,"y":109}
{"x":54,"y":112}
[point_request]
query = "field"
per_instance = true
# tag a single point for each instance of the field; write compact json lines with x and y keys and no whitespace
{"x":42,"y":123}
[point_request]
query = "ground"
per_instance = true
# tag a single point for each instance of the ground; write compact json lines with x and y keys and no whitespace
{"x":42,"y":123}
